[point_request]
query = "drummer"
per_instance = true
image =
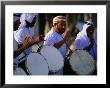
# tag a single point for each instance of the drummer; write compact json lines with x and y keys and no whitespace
{"x":26,"y":29}
{"x":56,"y":37}
{"x":85,"y":40}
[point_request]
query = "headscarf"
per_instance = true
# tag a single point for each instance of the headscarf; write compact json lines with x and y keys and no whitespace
{"x":27,"y":16}
{"x":89,"y":22}
{"x":22,"y":30}
{"x":83,"y":37}
{"x":79,"y":25}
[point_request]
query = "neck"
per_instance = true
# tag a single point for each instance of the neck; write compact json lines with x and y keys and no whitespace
{"x":56,"y":30}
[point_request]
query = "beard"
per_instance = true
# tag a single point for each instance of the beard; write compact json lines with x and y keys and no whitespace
{"x":62,"y":30}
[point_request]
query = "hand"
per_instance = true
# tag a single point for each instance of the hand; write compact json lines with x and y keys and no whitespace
{"x":26,"y":42}
{"x":67,"y":35}
{"x":38,"y":39}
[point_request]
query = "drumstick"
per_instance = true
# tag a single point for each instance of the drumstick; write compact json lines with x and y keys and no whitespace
{"x":68,"y":48}
{"x":67,"y":45}
{"x":40,"y":46}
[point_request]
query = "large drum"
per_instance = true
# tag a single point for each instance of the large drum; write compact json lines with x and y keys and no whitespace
{"x":53,"y":57}
{"x":19,"y":71}
{"x":82,"y":62}
{"x":36,"y":64}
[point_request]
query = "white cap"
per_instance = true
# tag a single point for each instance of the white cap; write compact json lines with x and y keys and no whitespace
{"x":58,"y":19}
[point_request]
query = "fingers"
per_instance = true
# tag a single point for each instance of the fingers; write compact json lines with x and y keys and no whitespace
{"x":41,"y":37}
{"x":27,"y":39}
{"x":26,"y":42}
{"x":38,"y":39}
{"x":67,"y":35}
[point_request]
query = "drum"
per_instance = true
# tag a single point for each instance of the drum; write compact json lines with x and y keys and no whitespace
{"x":53,"y":57}
{"x":36,"y":64}
{"x":19,"y":71}
{"x":82,"y":62}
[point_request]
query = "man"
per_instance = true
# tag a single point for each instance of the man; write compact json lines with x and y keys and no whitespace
{"x":57,"y":38}
{"x":85,"y":40}
{"x":26,"y":29}
{"x":18,"y":51}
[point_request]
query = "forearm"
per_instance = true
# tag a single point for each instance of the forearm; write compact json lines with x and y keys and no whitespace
{"x":19,"y":51}
{"x":59,"y":44}
{"x":33,"y":42}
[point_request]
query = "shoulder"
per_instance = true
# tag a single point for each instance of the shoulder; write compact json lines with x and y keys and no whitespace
{"x":51,"y":34}
{"x":77,"y":40}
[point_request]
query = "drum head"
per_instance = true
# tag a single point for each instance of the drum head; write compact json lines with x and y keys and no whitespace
{"x":82,"y":62}
{"x":36,"y":64}
{"x":53,"y":57}
{"x":19,"y":71}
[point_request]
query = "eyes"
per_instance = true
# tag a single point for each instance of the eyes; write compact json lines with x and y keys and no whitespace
{"x":62,"y":24}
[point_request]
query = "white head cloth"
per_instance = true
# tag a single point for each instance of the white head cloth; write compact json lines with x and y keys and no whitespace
{"x":27,"y":16}
{"x":83,"y":37}
{"x":89,"y":22}
{"x":58,"y":19}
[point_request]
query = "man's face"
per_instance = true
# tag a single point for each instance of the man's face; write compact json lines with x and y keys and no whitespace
{"x":61,"y":26}
{"x":90,"y":31}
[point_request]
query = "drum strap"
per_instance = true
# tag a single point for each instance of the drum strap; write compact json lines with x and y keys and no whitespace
{"x":22,"y":59}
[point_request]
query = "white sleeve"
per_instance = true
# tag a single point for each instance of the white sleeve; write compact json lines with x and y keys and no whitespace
{"x":50,"y":41}
{"x":78,"y":44}
{"x":19,"y":36}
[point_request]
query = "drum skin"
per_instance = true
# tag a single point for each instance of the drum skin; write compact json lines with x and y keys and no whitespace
{"x":36,"y":64}
{"x":53,"y":57}
{"x":82,"y":62}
